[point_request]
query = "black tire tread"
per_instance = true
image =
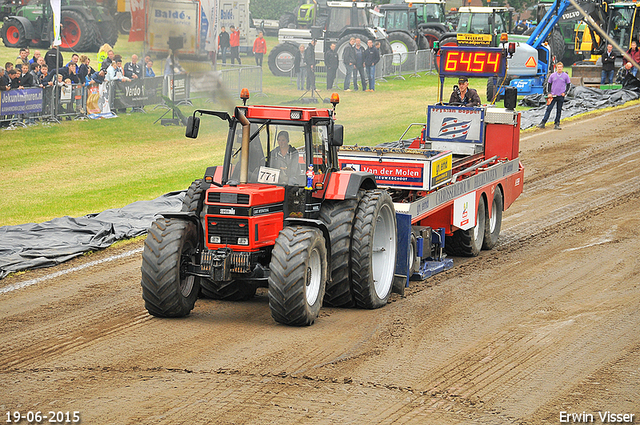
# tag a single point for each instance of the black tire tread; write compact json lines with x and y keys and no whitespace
{"x":339,"y":217}
{"x":491,"y":238}
{"x":161,"y":268}
{"x":287,"y":299}
{"x":362,"y":286}
{"x":86,"y":30}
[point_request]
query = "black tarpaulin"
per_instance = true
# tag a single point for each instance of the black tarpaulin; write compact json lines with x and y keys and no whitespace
{"x":36,"y":245}
{"x":578,"y":100}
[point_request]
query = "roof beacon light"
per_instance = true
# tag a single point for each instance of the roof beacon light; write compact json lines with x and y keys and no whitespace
{"x":504,"y":37}
{"x":512,"y":48}
{"x":335,"y":99}
{"x":244,"y":95}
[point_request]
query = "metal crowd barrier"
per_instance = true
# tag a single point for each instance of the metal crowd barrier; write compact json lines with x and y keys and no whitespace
{"x":390,"y":65}
{"x":22,"y":107}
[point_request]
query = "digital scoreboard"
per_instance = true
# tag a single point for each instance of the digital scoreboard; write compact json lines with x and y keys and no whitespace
{"x":457,"y":61}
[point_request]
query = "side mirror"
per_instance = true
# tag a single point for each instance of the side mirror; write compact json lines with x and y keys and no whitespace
{"x":193,"y":125}
{"x":338,"y":135}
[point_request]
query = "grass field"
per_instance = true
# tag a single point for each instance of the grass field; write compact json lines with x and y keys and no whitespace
{"x":80,"y":167}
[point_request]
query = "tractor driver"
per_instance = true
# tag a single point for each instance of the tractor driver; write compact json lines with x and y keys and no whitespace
{"x":463,"y":95}
{"x":284,"y":157}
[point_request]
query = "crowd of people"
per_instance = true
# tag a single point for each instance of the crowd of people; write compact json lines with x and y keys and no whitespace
{"x":51,"y":70}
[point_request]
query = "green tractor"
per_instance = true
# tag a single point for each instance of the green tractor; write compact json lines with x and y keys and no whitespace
{"x":84,"y":26}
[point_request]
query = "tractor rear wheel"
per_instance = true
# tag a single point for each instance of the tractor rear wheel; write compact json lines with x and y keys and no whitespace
{"x":493,"y":221}
{"x":170,"y":247}
{"x":108,"y":31}
{"x":468,"y":243}
{"x":431,"y":35}
{"x":13,"y":34}
{"x":339,"y":216}
{"x":298,"y":276}
{"x":281,"y":59}
{"x":373,"y":249}
{"x":447,"y":41}
{"x":77,"y":33}
{"x":401,"y":44}
{"x":123,"y":22}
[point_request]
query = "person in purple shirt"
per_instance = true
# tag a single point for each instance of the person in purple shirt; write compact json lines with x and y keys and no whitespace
{"x":557,"y":86}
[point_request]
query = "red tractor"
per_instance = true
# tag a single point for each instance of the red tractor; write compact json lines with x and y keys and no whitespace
{"x":279,"y":214}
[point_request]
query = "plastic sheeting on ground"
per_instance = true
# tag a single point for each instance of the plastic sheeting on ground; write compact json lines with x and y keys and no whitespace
{"x":31,"y":246}
{"x":579,"y":100}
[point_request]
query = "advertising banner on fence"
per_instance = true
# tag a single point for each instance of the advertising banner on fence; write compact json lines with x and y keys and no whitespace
{"x":179,"y":91}
{"x":21,"y":101}
{"x":137,"y":93}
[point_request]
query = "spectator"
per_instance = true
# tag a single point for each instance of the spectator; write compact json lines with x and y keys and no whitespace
{"x":4,"y":80}
{"x":85,"y":71}
{"x":106,"y":63}
{"x":608,"y":66}
{"x":36,"y":55}
{"x":98,"y":77}
{"x":8,"y":67}
{"x":349,"y":59}
{"x":23,"y":57}
{"x":74,"y":59}
{"x":223,"y":43}
{"x":331,"y":63}
{"x":66,"y":73}
{"x":44,"y":73}
{"x":371,"y":58}
{"x":26,"y":80}
{"x":147,"y":59}
{"x":14,"y":79}
{"x":115,"y":71}
{"x":359,"y":50}
{"x":148,"y":69}
{"x":234,"y":43}
{"x":310,"y":60}
{"x":259,"y":48}
{"x":53,"y":58}
{"x":41,"y":61}
{"x":634,"y":52}
{"x":557,"y":86}
{"x":103,"y":52}
{"x":34,"y":70}
{"x":133,"y":69}
{"x":300,"y":66}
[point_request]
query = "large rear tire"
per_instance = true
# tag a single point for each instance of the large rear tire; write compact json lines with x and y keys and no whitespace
{"x":281,"y":59}
{"x":339,"y":216}
{"x":123,"y":22}
{"x":166,"y":289}
{"x":401,"y":45}
{"x":468,"y":243}
{"x":77,"y":33}
{"x":431,"y":35}
{"x":373,"y":249}
{"x":447,"y":41}
{"x":108,"y":31}
{"x":493,"y":221}
{"x":13,"y":34}
{"x":298,"y":276}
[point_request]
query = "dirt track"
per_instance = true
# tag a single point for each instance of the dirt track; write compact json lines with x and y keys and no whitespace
{"x":545,"y":323}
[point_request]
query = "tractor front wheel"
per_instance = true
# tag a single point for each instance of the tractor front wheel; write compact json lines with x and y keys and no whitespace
{"x":13,"y":34}
{"x":167,"y":289}
{"x":298,"y":276}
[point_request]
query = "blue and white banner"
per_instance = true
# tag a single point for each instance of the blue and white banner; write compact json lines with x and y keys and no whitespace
{"x":21,"y":101}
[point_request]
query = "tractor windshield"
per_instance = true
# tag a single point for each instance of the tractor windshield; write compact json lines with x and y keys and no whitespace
{"x":620,"y":26}
{"x":432,"y":12}
{"x":278,"y":154}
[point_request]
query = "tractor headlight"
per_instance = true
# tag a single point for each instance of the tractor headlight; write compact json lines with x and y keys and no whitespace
{"x":243,"y":241}
{"x":214,"y":239}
